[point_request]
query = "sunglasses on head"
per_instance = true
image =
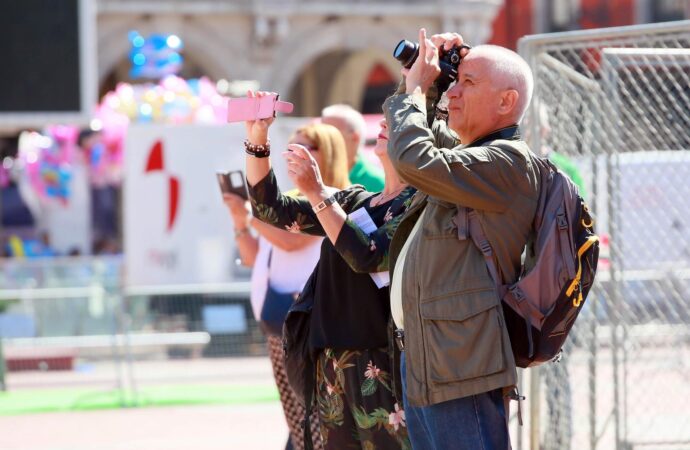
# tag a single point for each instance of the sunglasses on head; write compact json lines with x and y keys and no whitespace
{"x":311,"y":148}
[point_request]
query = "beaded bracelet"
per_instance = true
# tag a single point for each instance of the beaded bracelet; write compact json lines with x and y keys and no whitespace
{"x":258,"y":150}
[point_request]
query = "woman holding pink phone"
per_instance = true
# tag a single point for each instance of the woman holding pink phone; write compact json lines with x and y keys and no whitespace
{"x":348,"y":325}
{"x":282,"y":261}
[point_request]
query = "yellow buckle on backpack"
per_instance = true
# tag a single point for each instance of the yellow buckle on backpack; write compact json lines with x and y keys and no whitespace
{"x":577,"y":301}
{"x":576,"y":281}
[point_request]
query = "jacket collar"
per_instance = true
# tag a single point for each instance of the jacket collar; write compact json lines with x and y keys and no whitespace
{"x":511,"y":133}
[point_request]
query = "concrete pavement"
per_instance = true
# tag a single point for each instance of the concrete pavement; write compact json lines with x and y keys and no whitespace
{"x":242,"y":427}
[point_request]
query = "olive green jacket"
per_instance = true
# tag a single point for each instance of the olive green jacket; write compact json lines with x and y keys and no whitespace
{"x":456,"y":342}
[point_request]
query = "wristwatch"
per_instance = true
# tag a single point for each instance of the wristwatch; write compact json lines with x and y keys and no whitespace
{"x":241,"y":232}
{"x":324,"y":204}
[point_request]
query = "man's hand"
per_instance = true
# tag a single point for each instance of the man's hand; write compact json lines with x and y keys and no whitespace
{"x":257,"y":130}
{"x":446,"y":41}
{"x":425,"y":69}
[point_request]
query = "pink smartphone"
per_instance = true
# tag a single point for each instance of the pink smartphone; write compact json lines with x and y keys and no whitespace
{"x":254,"y":108}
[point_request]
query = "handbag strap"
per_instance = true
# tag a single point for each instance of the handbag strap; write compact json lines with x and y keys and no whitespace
{"x":268,"y":264}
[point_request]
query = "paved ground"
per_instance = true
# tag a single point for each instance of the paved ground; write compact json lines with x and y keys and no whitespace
{"x":259,"y":426}
{"x":653,"y":406}
{"x":246,"y":427}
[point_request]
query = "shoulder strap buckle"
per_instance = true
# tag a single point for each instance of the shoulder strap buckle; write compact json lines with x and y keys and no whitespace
{"x":485,"y":247}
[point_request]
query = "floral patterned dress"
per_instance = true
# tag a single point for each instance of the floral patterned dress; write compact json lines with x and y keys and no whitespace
{"x":357,"y":407}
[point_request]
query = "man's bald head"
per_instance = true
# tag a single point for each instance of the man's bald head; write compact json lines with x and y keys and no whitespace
{"x":493,"y":90}
{"x":507,"y":71}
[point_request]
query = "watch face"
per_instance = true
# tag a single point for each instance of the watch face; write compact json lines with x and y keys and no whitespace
{"x":324,"y":204}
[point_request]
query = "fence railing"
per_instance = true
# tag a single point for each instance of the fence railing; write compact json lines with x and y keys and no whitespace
{"x":68,"y":322}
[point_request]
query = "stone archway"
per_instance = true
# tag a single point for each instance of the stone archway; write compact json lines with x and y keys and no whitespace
{"x":350,"y":82}
{"x":200,"y":48}
{"x":304,"y":46}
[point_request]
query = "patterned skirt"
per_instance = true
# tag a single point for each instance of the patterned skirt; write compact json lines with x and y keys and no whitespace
{"x":357,"y":408}
{"x":294,"y":411}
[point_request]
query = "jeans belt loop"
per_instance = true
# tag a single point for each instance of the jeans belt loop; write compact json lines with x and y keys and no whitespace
{"x":400,"y":338}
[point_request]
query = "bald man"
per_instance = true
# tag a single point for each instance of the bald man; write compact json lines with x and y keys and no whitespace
{"x":353,"y":127}
{"x":457,"y":367}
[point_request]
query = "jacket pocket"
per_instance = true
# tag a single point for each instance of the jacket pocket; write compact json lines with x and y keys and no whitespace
{"x":463,"y":334}
{"x":439,"y":220}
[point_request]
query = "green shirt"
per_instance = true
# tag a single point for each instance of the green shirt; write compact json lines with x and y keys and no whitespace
{"x":569,"y":168}
{"x":366,"y":174}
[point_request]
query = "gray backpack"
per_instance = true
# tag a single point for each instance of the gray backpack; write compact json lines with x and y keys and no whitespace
{"x":557,"y":273}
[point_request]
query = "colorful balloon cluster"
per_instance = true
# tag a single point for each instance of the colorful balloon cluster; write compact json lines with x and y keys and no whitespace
{"x":155,"y":56}
{"x":173,"y":100}
{"x":48,"y":157}
{"x":47,"y":160}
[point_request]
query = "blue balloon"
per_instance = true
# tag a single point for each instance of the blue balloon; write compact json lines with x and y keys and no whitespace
{"x":139,"y":59}
{"x":158,"y":41}
{"x":193,"y":84}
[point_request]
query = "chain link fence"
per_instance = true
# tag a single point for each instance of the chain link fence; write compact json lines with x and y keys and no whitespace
{"x":67,"y":323}
{"x":612,"y":108}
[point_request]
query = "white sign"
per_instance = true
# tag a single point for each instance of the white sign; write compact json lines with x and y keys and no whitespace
{"x":176,"y":228}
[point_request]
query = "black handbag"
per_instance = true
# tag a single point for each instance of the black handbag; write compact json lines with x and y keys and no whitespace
{"x":275,"y":308}
{"x":274,"y":311}
{"x":300,"y":358}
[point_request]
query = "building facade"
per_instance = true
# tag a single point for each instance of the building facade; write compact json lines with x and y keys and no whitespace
{"x":313,"y":52}
{"x":518,"y":18}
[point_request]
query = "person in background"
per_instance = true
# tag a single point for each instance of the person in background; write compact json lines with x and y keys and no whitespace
{"x":353,"y":128}
{"x":285,"y":260}
{"x":349,"y":321}
{"x":105,"y":195}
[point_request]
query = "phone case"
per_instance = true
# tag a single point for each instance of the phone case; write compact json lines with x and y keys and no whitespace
{"x":228,"y":186}
{"x":254,"y":108}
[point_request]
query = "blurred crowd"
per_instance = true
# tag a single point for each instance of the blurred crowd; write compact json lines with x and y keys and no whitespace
{"x":35,"y":189}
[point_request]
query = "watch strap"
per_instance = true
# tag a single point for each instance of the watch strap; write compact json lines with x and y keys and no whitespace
{"x":324,"y":204}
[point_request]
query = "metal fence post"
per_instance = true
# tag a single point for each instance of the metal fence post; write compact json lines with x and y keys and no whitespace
{"x":592,"y":368}
{"x":535,"y":408}
{"x":125,"y":330}
{"x":3,"y":385}
{"x":521,"y":378}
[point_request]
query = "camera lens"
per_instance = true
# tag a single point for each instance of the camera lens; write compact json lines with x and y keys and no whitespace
{"x":406,"y":52}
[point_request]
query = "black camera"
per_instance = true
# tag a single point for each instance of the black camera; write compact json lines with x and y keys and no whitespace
{"x":406,"y":52}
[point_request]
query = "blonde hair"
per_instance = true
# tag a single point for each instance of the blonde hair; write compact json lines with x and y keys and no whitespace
{"x":331,"y":144}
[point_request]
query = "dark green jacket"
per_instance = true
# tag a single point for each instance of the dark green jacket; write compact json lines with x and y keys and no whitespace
{"x":456,"y":342}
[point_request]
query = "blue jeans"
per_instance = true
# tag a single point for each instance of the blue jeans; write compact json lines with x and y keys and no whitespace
{"x":477,"y":422}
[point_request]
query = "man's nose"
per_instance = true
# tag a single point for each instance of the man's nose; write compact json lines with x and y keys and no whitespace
{"x":455,"y":91}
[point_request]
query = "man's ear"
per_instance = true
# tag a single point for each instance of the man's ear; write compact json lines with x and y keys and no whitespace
{"x":509,"y":99}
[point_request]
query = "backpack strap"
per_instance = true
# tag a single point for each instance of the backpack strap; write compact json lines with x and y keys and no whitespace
{"x":564,"y":237}
{"x":514,"y":297}
{"x":476,"y":232}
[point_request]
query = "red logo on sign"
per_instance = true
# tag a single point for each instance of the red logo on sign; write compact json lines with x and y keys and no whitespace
{"x":156,"y":163}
